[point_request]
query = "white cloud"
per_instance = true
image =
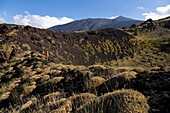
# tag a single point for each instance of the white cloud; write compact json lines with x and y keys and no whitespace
{"x":141,"y":8}
{"x":113,"y":17}
{"x":40,"y":21}
{"x":161,"y":12}
{"x":2,"y":20}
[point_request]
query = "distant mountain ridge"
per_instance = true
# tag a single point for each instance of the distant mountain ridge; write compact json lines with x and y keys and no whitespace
{"x":95,"y":23}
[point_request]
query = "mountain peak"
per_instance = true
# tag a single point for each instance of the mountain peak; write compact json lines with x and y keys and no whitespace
{"x":122,"y":18}
{"x":95,"y":23}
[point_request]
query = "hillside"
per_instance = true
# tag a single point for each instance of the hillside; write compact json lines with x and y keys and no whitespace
{"x":98,"y":71}
{"x":152,"y":44}
{"x":68,"y":48}
{"x":94,"y":24}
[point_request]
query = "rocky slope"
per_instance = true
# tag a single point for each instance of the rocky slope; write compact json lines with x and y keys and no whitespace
{"x":70,"y":48}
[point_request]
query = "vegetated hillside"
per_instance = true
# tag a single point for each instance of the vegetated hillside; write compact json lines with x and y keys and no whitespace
{"x":30,"y":85}
{"x":68,"y":48}
{"x":94,"y":24}
{"x":152,"y":45}
{"x":137,"y":81}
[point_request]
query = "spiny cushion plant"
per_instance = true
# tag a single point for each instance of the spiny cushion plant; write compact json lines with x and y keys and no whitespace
{"x":120,"y":101}
{"x":94,"y":82}
{"x":117,"y":82}
{"x":81,"y":99}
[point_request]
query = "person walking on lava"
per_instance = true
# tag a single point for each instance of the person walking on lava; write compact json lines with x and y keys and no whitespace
{"x":47,"y":56}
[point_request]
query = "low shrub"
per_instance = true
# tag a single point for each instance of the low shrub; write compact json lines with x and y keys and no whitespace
{"x":120,"y":101}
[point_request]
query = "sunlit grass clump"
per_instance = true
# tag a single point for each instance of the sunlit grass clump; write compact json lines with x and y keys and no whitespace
{"x":120,"y":101}
{"x":119,"y":81}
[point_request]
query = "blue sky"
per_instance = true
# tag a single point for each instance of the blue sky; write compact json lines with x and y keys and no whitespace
{"x":45,"y":13}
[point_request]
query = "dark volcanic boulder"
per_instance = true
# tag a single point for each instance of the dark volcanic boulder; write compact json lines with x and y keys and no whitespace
{"x":156,"y":86}
{"x":4,"y":29}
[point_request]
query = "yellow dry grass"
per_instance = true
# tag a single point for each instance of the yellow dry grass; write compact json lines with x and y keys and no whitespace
{"x":4,"y":96}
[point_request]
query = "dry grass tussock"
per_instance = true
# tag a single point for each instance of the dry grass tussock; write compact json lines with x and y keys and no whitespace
{"x":121,"y":101}
{"x":62,"y":88}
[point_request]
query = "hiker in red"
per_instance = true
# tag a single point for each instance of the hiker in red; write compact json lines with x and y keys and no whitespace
{"x":47,"y":55}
